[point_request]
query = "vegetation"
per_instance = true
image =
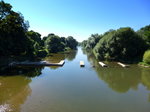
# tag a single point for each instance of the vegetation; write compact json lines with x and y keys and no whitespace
{"x":16,"y":40}
{"x":146,"y":57}
{"x":13,"y":40}
{"x":91,"y":42}
{"x":145,"y":34}
{"x":123,"y":44}
{"x":55,"y":43}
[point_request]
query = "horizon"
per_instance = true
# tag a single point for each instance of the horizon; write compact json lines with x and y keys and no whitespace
{"x":81,"y":18}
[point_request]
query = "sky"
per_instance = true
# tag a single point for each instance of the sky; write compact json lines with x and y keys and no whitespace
{"x":81,"y":18}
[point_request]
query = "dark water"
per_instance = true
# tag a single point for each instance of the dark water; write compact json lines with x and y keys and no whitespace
{"x":74,"y":89}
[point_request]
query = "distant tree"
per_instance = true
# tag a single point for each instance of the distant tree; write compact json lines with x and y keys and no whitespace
{"x":35,"y":37}
{"x":83,"y":43}
{"x":63,"y":39}
{"x":145,"y":34}
{"x":92,"y":41}
{"x":123,"y":44}
{"x":71,"y":42}
{"x":53,"y":44}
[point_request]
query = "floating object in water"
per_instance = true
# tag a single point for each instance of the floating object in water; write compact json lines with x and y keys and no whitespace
{"x":123,"y":65}
{"x":40,"y":63}
{"x":82,"y":63}
{"x":102,"y":64}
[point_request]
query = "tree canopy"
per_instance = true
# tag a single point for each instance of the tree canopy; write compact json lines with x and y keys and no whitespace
{"x":16,"y":40}
{"x":55,"y":43}
{"x":123,"y":44}
{"x":13,"y":40}
{"x":145,"y":34}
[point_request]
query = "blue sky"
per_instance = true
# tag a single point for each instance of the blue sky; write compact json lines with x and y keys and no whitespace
{"x":81,"y":18}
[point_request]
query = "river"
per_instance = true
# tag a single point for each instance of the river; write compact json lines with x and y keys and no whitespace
{"x":72,"y":88}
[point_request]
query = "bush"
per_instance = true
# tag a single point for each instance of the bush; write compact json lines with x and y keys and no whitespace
{"x":146,"y":57}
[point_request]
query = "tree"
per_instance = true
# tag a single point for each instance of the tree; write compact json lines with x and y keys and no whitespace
{"x":92,"y":41}
{"x":5,"y":9}
{"x":53,"y":44}
{"x":123,"y":44}
{"x":13,"y":40}
{"x":35,"y":37}
{"x":145,"y":34}
{"x":71,"y":42}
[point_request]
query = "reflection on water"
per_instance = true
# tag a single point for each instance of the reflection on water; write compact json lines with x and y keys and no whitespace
{"x":18,"y":70}
{"x":13,"y":92}
{"x":14,"y":87}
{"x":71,"y":55}
{"x":75,"y":89}
{"x":121,"y":79}
{"x":14,"y":82}
{"x":57,"y":57}
{"x":146,"y":77}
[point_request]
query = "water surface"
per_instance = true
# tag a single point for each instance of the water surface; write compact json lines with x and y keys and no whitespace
{"x":74,"y":89}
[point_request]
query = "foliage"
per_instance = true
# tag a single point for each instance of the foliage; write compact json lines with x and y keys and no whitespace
{"x":71,"y":42}
{"x":146,"y":57}
{"x":123,"y":44}
{"x":16,"y":40}
{"x":37,"y":44}
{"x":13,"y":40}
{"x":145,"y":34}
{"x":55,"y":43}
{"x":91,"y":42}
{"x":35,"y":36}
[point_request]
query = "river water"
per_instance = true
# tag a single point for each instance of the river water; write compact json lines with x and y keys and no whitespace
{"x":72,"y":88}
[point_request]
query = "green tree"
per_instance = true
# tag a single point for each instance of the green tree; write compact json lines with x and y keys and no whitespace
{"x":5,"y":9}
{"x":145,"y":34}
{"x":35,"y":36}
{"x":13,"y":40}
{"x":71,"y":42}
{"x":122,"y":45}
{"x":92,"y":41}
{"x":53,"y":44}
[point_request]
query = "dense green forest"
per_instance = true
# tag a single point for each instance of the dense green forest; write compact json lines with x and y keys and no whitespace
{"x":16,"y":40}
{"x":123,"y":44}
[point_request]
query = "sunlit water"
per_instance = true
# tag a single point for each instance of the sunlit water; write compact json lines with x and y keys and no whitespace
{"x":74,"y":89}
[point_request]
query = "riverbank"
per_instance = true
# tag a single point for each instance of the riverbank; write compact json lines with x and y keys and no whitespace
{"x":144,"y":65}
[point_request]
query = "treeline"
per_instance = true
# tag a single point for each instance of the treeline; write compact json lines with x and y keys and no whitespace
{"x":16,"y":40}
{"x":123,"y":44}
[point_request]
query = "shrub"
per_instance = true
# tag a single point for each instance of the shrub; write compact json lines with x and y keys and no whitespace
{"x":146,"y":57}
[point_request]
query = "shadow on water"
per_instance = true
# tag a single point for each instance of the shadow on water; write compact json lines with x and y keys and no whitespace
{"x":71,"y":55}
{"x":23,"y":71}
{"x":121,"y":79}
{"x":14,"y":85}
{"x":57,"y":57}
{"x":14,"y":81}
